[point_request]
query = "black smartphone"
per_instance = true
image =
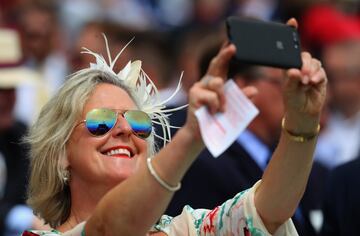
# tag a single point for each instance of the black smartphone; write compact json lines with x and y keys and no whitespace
{"x":264,"y":43}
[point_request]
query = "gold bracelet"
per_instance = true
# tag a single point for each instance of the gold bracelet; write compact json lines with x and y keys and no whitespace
{"x":301,"y":138}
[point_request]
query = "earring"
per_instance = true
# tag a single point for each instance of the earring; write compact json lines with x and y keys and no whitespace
{"x":66,"y":176}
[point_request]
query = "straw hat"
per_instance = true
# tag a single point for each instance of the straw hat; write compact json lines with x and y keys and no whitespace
{"x":12,"y":74}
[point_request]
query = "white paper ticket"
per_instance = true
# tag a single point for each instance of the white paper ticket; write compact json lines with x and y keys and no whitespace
{"x":219,"y":131}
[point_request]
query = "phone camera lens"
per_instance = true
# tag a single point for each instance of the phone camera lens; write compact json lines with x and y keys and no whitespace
{"x":295,"y":37}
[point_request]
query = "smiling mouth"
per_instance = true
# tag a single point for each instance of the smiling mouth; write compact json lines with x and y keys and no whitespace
{"x":119,"y":152}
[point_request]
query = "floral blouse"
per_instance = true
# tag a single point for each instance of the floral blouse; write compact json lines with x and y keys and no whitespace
{"x":235,"y":217}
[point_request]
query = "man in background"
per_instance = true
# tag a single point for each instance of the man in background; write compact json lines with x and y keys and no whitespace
{"x":212,"y":181}
{"x":339,"y":47}
{"x":14,"y":215}
{"x":340,"y":141}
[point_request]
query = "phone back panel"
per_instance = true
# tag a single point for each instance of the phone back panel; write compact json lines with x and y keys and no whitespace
{"x":265,"y":43}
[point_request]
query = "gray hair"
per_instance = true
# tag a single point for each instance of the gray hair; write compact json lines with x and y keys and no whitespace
{"x":48,"y":193}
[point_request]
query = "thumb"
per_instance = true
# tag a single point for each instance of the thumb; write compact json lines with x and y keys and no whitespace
{"x":292,"y":22}
{"x":296,"y":80}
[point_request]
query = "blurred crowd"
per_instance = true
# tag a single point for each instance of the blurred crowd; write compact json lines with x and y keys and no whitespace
{"x":41,"y":41}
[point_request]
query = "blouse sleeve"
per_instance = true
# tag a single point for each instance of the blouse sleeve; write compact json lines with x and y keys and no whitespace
{"x":237,"y":216}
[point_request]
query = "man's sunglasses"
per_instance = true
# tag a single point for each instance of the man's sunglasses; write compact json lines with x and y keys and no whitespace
{"x":101,"y":120}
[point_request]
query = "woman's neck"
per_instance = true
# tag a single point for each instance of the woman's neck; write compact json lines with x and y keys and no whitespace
{"x":82,"y":207}
{"x":69,"y":224}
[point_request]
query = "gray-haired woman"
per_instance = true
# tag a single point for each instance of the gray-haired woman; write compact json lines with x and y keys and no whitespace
{"x":95,"y":172}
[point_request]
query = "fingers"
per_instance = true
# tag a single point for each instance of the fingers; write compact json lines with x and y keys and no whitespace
{"x":219,"y":64}
{"x":200,"y":96}
{"x":213,"y":82}
{"x":210,"y":92}
{"x":318,"y":77}
{"x":315,"y":66}
{"x":294,"y":76}
{"x":311,"y":72}
{"x":306,"y":67}
{"x":215,"y":86}
{"x":293,"y":23}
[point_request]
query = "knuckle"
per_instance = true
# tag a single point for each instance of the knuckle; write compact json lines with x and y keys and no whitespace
{"x":218,"y":81}
{"x":215,"y":84}
{"x":316,"y":62}
{"x":197,"y":84}
{"x":193,"y":91}
{"x":213,"y":96}
{"x":306,"y":54}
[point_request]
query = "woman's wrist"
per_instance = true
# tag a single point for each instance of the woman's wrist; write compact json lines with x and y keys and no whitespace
{"x":193,"y":132}
{"x":193,"y":138}
{"x":301,"y":125}
{"x":299,"y":137}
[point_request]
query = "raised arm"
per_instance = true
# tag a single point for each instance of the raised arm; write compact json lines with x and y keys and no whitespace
{"x":133,"y":206}
{"x":285,"y":178}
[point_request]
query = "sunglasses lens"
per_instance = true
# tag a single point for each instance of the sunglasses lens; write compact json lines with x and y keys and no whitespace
{"x":100,"y":121}
{"x":140,"y":123}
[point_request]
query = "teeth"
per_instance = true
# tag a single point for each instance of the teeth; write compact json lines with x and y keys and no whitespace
{"x":120,"y":151}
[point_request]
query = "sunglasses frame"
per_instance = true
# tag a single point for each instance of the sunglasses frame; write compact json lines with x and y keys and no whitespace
{"x":117,"y":113}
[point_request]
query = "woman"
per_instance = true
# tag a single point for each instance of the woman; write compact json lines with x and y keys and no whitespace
{"x":91,"y":171}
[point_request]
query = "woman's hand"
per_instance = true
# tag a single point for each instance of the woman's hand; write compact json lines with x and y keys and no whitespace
{"x":304,"y":94}
{"x":209,"y":91}
{"x":285,"y":178}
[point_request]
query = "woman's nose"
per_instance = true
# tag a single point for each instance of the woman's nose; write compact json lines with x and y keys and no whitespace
{"x":122,"y":127}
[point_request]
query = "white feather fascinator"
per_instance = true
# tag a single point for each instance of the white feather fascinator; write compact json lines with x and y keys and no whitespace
{"x":143,"y":88}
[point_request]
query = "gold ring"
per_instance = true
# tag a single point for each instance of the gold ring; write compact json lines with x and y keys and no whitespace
{"x":206,"y":80}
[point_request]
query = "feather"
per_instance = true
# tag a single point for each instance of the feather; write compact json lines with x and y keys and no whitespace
{"x":107,"y":48}
{"x":118,"y":55}
{"x":134,"y":77}
{"x":171,"y":126}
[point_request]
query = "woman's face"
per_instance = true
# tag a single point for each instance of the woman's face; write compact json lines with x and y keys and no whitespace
{"x":89,"y":160}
